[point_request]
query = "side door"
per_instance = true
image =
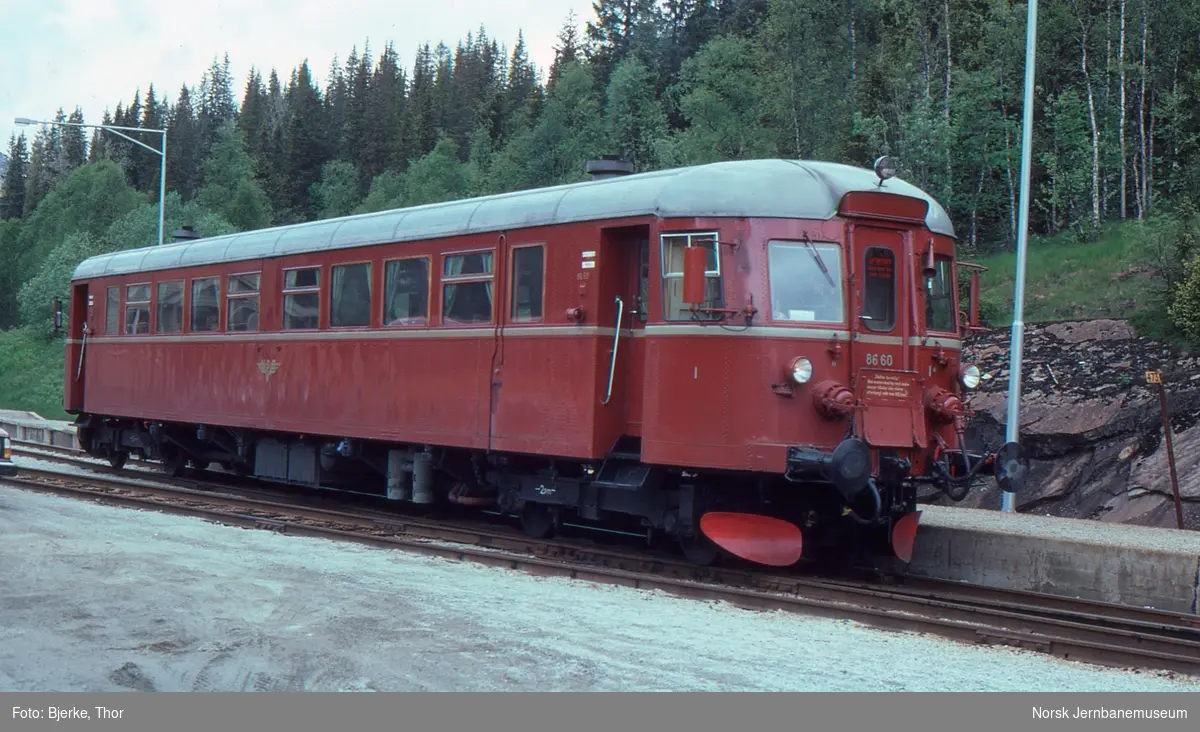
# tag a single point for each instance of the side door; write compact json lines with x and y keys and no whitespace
{"x":80,"y":328}
{"x":623,"y":263}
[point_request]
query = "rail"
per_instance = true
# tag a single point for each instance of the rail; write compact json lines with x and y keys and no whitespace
{"x":1080,"y":630}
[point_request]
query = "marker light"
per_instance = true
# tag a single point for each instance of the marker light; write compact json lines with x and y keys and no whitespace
{"x":801,"y":370}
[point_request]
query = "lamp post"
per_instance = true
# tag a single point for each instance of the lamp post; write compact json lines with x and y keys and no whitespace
{"x":162,"y":175}
{"x":1013,"y":420}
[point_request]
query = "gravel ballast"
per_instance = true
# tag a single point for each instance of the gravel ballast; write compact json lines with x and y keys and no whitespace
{"x":99,"y":598}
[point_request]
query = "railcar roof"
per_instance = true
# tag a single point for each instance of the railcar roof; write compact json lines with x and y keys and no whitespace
{"x":743,"y":188}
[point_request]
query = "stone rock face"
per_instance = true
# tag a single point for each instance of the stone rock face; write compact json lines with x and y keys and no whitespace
{"x":1091,"y":424}
{"x":1153,"y":473}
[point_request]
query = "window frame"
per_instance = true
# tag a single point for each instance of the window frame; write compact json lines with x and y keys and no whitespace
{"x":285,"y":291}
{"x":444,"y":280}
{"x":370,"y":292}
{"x":231,"y":296}
{"x":512,"y":285}
{"x":383,"y":299}
{"x":840,"y":278}
{"x":191,"y":304}
{"x":158,"y":303}
{"x":664,"y":275}
{"x":893,"y":305}
{"x":148,"y":304}
{"x":951,"y":294}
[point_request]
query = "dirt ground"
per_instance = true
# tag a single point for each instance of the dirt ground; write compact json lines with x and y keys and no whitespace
{"x":95,"y":598}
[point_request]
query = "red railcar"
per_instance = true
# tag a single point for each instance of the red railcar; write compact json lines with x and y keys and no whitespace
{"x":748,"y":351}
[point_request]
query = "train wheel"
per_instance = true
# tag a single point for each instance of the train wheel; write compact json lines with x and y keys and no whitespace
{"x":174,"y":462}
{"x":118,"y":459}
{"x":537,"y":521}
{"x":200,"y":465}
{"x":698,"y":550}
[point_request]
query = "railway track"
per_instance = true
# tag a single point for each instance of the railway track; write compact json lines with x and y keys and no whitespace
{"x":1075,"y":629}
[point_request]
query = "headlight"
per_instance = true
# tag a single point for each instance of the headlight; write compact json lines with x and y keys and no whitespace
{"x":969,"y":375}
{"x":801,"y":370}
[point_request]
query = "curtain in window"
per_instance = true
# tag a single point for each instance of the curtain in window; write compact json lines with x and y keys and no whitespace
{"x":454,"y":266}
{"x":339,"y":292}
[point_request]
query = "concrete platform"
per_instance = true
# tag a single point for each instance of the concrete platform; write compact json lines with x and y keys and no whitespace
{"x":32,"y":427}
{"x":1123,"y":563}
{"x":111,"y":599}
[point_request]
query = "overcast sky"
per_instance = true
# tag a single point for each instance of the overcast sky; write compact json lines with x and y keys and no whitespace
{"x":95,"y":53}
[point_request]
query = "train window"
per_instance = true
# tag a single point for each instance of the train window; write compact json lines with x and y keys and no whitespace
{"x":350,"y":297}
{"x":170,"y":307}
{"x":939,"y":300}
{"x":241,"y":295}
{"x":674,"y":308}
{"x":112,"y":311}
{"x":527,"y":283}
{"x":302,"y":298}
{"x":206,"y":311}
{"x":406,"y":292}
{"x":467,"y":288}
{"x":806,"y":282}
{"x":879,"y":289}
{"x":137,"y":309}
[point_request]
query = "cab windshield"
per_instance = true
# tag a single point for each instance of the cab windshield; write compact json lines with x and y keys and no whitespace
{"x":939,"y":297}
{"x":806,"y":282}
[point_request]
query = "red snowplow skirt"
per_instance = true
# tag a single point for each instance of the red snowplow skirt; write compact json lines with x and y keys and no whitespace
{"x":758,"y":539}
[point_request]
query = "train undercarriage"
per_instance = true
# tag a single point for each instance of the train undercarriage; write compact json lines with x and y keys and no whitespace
{"x":827,"y":508}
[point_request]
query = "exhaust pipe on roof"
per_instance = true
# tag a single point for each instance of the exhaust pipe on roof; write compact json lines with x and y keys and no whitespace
{"x":185,"y":233}
{"x":608,"y":166}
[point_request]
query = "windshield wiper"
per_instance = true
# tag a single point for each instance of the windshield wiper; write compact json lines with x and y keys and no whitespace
{"x":812,"y":248}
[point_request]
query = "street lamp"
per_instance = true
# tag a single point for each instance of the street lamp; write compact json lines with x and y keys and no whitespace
{"x":162,"y":176}
{"x":1013,"y":418}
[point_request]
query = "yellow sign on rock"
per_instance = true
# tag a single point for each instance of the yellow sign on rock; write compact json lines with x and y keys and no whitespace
{"x":1153,"y":377}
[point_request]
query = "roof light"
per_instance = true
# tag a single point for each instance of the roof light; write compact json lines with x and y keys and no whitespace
{"x":884,"y":168}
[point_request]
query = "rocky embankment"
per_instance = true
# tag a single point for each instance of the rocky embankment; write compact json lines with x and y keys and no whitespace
{"x":1091,"y":424}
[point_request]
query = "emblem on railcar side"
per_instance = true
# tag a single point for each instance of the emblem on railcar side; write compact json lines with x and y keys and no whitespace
{"x":267,"y":368}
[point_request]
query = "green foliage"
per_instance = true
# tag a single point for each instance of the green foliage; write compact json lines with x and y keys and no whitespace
{"x":720,"y":94}
{"x":54,"y":280}
{"x":139,"y":227}
{"x":1185,"y":309}
{"x":387,"y":192}
{"x":32,"y":370}
{"x":228,"y":183}
{"x":88,"y":202}
{"x":569,"y":132}
{"x":336,"y":194}
{"x":10,"y":277}
{"x":437,"y":177}
{"x":12,"y":186}
{"x":634,"y":117}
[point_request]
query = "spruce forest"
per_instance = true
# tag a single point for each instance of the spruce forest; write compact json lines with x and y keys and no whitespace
{"x":934,"y":83}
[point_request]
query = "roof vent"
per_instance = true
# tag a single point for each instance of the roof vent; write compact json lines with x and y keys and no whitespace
{"x":185,"y":233}
{"x":608,"y":166}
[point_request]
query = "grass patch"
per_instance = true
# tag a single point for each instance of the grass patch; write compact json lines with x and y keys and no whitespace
{"x":31,"y":373}
{"x":1112,"y":276}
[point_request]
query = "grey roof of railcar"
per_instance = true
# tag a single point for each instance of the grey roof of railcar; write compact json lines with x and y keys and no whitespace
{"x":743,"y":188}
